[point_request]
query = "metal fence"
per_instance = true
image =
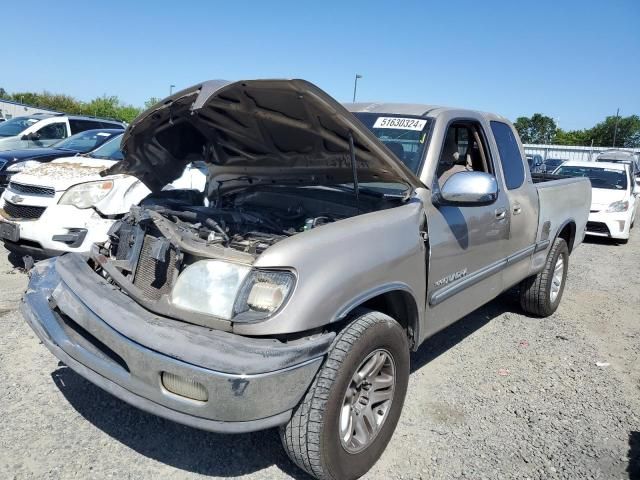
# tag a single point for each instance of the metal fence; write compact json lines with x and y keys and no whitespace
{"x":570,"y":152}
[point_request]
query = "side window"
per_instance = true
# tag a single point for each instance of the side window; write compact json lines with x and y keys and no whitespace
{"x":463,"y":150}
{"x":82,"y":125}
{"x":53,"y":131}
{"x":510,"y":157}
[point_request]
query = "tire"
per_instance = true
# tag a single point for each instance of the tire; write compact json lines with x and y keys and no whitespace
{"x":312,"y":438}
{"x":536,"y":296}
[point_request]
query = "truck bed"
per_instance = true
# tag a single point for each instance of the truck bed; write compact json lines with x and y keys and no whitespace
{"x":561,"y":200}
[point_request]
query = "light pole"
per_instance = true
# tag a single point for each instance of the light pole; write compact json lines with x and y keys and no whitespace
{"x":355,"y":86}
{"x":615,"y":130}
{"x":171,"y":87}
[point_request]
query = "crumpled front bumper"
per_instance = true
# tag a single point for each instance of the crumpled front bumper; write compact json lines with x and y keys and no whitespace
{"x":106,"y":337}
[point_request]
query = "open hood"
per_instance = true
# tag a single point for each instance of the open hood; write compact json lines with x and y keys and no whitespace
{"x":256,"y":131}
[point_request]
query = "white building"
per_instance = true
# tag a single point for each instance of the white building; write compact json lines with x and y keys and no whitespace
{"x":570,"y":152}
{"x":10,"y":109}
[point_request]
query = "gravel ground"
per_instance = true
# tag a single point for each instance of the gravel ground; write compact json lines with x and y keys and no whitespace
{"x":496,"y":396}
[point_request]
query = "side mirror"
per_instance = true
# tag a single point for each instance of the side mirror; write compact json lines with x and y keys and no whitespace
{"x":469,"y":188}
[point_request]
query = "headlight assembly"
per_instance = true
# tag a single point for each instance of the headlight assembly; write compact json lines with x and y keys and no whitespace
{"x":231,"y":291}
{"x":86,"y":195}
{"x":20,"y":166}
{"x":620,"y":206}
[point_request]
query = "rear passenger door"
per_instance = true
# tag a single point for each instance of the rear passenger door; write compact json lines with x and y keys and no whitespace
{"x":522,"y":198}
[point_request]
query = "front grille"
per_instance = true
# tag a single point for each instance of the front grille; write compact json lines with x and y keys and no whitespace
{"x":154,"y":277}
{"x":31,"y":189}
{"x":598,"y":227}
{"x":23,"y":211}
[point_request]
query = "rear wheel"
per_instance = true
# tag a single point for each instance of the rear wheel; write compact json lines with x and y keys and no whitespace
{"x":540,"y":294}
{"x":351,"y":410}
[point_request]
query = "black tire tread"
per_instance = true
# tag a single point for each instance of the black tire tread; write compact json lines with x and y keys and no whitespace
{"x":534,"y":297}
{"x":301,"y":435}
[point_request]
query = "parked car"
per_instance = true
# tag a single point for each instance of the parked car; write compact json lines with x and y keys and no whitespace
{"x":14,"y":161}
{"x":44,"y":129}
{"x":67,"y":205}
{"x":535,"y":162}
{"x":550,"y":164}
{"x":622,"y":156}
{"x":613,"y":200}
{"x":295,"y":297}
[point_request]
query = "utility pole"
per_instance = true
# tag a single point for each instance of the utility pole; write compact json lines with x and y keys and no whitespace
{"x":615,"y":130}
{"x":355,"y":87}
{"x":171,"y":87}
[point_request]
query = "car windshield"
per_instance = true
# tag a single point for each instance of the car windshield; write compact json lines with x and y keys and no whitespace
{"x":600,"y":177}
{"x":406,"y":136}
{"x":84,"y":141}
{"x":16,"y":126}
{"x":552,"y":162}
{"x":110,"y":150}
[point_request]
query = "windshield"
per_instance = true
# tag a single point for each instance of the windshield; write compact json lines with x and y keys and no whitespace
{"x":406,"y":136}
{"x":110,"y":150}
{"x":16,"y":126}
{"x":84,"y":141}
{"x":600,"y":177}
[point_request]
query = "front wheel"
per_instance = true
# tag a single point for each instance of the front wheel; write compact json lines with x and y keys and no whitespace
{"x":540,"y":294}
{"x":352,"y":408}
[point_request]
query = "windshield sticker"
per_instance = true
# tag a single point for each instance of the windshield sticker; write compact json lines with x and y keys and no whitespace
{"x":400,"y":123}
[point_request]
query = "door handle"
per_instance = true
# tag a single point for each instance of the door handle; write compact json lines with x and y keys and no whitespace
{"x":517,"y":209}
{"x":501,"y":213}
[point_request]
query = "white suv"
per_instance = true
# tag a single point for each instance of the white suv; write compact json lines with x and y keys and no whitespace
{"x":66,"y":205}
{"x":44,"y":129}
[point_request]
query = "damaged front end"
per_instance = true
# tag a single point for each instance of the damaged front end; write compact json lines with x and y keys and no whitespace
{"x":186,"y":311}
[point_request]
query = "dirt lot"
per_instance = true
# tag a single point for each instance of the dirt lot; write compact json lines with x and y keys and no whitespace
{"x":496,"y":396}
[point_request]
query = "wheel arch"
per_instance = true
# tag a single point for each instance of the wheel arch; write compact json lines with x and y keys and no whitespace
{"x":567,"y":231}
{"x":395,"y":300}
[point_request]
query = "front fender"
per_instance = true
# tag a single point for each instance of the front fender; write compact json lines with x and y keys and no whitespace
{"x":340,"y":265}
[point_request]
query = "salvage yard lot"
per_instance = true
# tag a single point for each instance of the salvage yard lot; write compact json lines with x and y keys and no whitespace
{"x":497,"y":395}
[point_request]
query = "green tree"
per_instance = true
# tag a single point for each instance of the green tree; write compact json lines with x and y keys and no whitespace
{"x":151,"y":102}
{"x":536,"y":129}
{"x":628,"y":132}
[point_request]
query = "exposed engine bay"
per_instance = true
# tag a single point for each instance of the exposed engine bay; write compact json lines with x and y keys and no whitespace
{"x":150,"y":248}
{"x":248,"y":222}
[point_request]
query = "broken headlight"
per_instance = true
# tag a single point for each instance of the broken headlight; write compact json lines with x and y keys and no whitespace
{"x":231,"y":291}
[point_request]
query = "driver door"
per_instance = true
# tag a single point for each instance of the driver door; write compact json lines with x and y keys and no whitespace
{"x":466,"y":242}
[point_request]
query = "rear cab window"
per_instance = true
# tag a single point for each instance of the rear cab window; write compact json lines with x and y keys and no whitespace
{"x":510,"y":156}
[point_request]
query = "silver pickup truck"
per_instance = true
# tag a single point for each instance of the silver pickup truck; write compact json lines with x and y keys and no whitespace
{"x":332,"y":241}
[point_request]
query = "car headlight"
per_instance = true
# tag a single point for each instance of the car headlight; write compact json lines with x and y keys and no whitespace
{"x":231,"y":291}
{"x":20,"y":166}
{"x":86,"y":195}
{"x":620,"y":206}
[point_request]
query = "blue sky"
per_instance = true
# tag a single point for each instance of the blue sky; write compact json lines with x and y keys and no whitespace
{"x":576,"y":61}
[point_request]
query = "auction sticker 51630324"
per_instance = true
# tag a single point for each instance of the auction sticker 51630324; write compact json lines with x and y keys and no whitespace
{"x":400,"y":123}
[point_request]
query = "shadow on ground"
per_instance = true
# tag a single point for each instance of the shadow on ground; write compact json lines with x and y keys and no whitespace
{"x":213,"y":454}
{"x":610,"y":242}
{"x":442,"y":341}
{"x":634,"y":456}
{"x":173,"y":444}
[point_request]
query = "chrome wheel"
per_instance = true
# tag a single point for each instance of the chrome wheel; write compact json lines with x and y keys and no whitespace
{"x":367,"y":401}
{"x":556,"y":281}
